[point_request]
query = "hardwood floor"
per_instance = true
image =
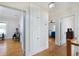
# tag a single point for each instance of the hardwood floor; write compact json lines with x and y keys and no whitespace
{"x":53,"y":50}
{"x":9,"y":47}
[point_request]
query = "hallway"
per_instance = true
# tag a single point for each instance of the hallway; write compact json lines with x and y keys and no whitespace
{"x":9,"y":47}
{"x":53,"y":50}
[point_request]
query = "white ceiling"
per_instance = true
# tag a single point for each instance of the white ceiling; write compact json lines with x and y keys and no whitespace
{"x":24,"y":5}
{"x":17,"y":5}
{"x":63,"y":8}
{"x":44,"y":5}
{"x":9,"y":13}
{"x":60,"y":6}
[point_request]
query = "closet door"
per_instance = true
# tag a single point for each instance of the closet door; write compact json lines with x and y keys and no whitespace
{"x":34,"y":29}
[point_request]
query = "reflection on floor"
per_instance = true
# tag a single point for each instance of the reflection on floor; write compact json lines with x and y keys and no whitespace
{"x":53,"y":50}
{"x":9,"y":47}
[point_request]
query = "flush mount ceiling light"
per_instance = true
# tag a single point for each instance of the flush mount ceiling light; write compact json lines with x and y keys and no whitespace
{"x":51,"y":5}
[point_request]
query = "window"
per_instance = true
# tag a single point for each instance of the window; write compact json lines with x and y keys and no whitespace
{"x":2,"y":28}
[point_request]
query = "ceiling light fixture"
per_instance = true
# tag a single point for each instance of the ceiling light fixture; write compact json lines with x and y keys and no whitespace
{"x":51,"y":5}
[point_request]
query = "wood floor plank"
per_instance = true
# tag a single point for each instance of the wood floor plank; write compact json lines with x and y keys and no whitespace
{"x":10,"y":47}
{"x":53,"y":50}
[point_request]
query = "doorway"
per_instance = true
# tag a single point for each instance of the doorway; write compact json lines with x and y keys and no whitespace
{"x":51,"y":36}
{"x":10,"y":19}
{"x":65,"y":23}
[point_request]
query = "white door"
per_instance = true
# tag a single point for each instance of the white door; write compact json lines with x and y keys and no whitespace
{"x":66,"y":22}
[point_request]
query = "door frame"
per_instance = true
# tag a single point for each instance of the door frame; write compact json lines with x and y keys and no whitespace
{"x":61,"y":25}
{"x":59,"y":22}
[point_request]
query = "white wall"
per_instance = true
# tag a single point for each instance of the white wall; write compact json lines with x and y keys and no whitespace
{"x":38,"y":29}
{"x":44,"y":30}
{"x":12,"y":24}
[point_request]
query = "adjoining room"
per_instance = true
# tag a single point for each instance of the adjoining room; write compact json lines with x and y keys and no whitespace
{"x":10,"y":28}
